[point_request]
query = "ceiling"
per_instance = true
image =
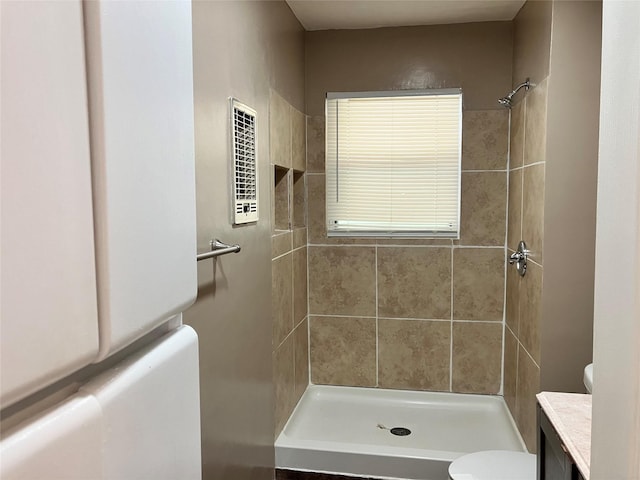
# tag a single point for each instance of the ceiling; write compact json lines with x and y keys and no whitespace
{"x":346,"y":14}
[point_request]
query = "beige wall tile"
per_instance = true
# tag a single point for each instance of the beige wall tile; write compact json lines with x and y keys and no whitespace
{"x":279,"y":130}
{"x":315,"y":144}
{"x":478,"y":284}
{"x":281,"y":216}
{"x":414,"y":354}
{"x":445,"y":242}
{"x":283,"y":380}
{"x":298,"y":140}
{"x":282,"y":297}
{"x":531,"y":310}
{"x":533,"y":210}
{"x":514,"y":228}
{"x":517,"y":133}
{"x":527,"y":388}
{"x":535,"y":138}
{"x":483,"y":208}
{"x":299,"y":237}
{"x":301,"y":357}
{"x":512,"y":307}
{"x":343,"y":351}
{"x":477,"y":357}
{"x":280,"y":244}
{"x":298,"y":217}
{"x":316,"y":208}
{"x":414,"y":282}
{"x":485,"y":136}
{"x":342,"y":281}
{"x":299,"y":285}
{"x":510,"y":370}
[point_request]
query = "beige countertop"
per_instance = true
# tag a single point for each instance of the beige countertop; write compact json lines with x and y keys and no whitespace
{"x":570,"y":415}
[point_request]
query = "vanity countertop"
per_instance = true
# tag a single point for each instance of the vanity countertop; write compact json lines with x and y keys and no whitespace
{"x":570,"y":415}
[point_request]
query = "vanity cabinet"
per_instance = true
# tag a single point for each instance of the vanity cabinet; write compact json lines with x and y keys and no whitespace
{"x":554,"y":460}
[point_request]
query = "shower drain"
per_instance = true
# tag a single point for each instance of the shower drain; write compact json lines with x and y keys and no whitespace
{"x":398,"y":431}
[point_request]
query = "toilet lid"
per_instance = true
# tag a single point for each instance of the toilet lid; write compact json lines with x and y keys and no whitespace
{"x":494,"y":465}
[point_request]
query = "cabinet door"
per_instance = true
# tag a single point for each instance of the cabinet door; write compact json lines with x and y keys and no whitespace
{"x":140,"y":72}
{"x":49,"y":325}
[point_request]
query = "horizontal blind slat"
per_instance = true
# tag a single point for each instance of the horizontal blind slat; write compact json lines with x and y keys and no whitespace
{"x":393,"y":163}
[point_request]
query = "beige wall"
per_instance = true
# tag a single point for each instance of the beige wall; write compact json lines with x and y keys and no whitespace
{"x":241,"y":49}
{"x":474,"y":56}
{"x":413,"y":314}
{"x":570,"y":198}
{"x":552,"y":195}
{"x":532,"y":41}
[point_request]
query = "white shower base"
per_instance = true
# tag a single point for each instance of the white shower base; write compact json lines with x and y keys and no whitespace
{"x":345,"y":430}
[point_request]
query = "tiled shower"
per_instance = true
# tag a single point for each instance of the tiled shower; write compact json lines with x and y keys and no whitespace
{"x":430,"y":314}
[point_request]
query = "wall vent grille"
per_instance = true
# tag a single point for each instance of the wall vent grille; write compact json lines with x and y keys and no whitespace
{"x":244,"y":163}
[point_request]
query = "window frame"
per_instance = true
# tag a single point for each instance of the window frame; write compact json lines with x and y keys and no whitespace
{"x":424,"y":234}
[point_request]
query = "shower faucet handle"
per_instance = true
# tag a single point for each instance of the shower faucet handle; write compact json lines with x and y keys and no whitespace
{"x":519,"y":257}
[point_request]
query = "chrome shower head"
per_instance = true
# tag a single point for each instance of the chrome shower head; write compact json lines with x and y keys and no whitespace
{"x":507,"y":101}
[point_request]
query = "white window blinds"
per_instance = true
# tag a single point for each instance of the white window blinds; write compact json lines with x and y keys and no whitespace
{"x":393,"y":163}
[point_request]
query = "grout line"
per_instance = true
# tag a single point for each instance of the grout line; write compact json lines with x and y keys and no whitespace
{"x":498,"y":170}
{"x":369,"y":317}
{"x":283,"y":255}
{"x":377,"y":328}
{"x":360,"y":245}
{"x":522,"y":167}
{"x":528,"y":354}
{"x":451,"y":331}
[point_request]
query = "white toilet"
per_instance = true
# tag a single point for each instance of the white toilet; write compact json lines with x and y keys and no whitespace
{"x":494,"y":465}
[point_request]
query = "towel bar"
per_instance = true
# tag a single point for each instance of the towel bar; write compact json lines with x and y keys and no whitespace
{"x":218,"y":248}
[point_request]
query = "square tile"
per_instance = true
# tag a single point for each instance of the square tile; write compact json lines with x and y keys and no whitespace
{"x":478,"y":284}
{"x":533,"y":210}
{"x":315,"y":144}
{"x":512,"y":308}
{"x":280,"y":243}
{"x":414,"y":282}
{"x":283,"y":380}
{"x":301,"y":358}
{"x":517,"y":135}
{"x":477,"y":357}
{"x":342,"y":281}
{"x":485,"y":137}
{"x":483,"y":208}
{"x":299,"y":237}
{"x":514,"y":228}
{"x":527,"y":388}
{"x":414,"y":354}
{"x":531,"y":310}
{"x":299,"y":285}
{"x":343,"y":351}
{"x":279,"y":130}
{"x":298,"y":140}
{"x":282,"y":297}
{"x":535,"y":135}
{"x":510,"y":370}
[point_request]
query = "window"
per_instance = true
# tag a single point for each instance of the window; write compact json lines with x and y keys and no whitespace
{"x":393,"y":163}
